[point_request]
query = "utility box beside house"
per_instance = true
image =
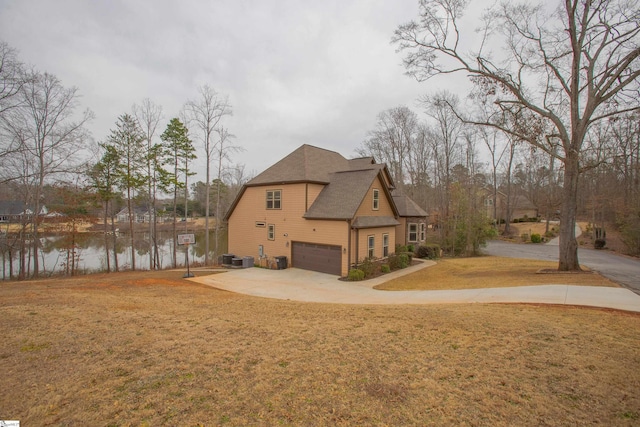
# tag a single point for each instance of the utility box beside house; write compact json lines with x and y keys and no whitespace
{"x":281,"y":262}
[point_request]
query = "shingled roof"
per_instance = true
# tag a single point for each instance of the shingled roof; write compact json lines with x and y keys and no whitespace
{"x":346,"y":181}
{"x":306,"y":164}
{"x":406,"y":206}
{"x":343,"y":195}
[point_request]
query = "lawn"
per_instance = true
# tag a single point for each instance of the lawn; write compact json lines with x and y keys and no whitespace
{"x":153,"y":349}
{"x":491,"y":272}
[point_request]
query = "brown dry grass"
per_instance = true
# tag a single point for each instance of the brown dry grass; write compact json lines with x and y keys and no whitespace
{"x":153,"y":349}
{"x":490,"y":272}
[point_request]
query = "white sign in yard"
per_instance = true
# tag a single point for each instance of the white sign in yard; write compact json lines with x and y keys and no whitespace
{"x":186,"y":239}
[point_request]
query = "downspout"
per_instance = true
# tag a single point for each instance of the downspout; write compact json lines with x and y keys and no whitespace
{"x":357,"y":248}
{"x":348,"y":245}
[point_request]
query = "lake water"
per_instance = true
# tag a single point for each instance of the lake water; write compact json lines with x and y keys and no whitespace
{"x":90,"y":252}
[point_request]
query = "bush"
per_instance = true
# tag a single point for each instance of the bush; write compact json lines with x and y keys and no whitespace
{"x":356,"y":275}
{"x":536,"y":238}
{"x":599,"y":243}
{"x":410,"y":248}
{"x":368,"y":267}
{"x":409,"y":256}
{"x":430,"y":250}
{"x":385,"y":268}
{"x":398,"y":261}
{"x":400,"y":249}
{"x":630,"y":233}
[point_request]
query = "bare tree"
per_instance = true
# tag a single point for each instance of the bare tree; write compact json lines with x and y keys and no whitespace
{"x":206,"y":114}
{"x":625,"y":132}
{"x":224,"y":149}
{"x":420,"y":164}
{"x":446,"y":140}
{"x":50,"y":141}
{"x":392,"y":140}
{"x":148,"y":116}
{"x":571,"y":68}
{"x":496,"y":147}
{"x":12,"y":78}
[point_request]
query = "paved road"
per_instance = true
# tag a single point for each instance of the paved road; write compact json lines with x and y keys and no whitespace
{"x":620,"y":269}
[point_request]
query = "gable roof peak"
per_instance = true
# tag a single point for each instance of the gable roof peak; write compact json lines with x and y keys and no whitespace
{"x":305,"y":164}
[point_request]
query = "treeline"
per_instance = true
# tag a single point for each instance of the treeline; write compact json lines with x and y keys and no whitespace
{"x":457,"y":171}
{"x":44,"y":144}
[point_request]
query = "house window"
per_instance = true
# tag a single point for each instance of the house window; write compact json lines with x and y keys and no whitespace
{"x":271,"y":232}
{"x":413,"y":232}
{"x":423,"y":228}
{"x":274,"y":199}
{"x":376,"y":199}
{"x":385,"y":245}
{"x":488,"y":202}
{"x":371,"y":245}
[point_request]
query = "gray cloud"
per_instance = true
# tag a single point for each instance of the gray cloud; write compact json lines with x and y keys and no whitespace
{"x":295,"y":72}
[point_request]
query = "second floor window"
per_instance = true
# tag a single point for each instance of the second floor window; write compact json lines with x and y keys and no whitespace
{"x":274,"y":199}
{"x":376,"y":200}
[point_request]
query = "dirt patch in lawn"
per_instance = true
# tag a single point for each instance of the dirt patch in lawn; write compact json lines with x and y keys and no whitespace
{"x":490,"y":272}
{"x":179,"y":353}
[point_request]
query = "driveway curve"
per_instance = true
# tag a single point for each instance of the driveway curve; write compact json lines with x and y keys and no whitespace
{"x":308,"y":286}
{"x":620,"y":269}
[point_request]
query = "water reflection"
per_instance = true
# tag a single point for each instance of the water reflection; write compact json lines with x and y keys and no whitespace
{"x":85,"y":252}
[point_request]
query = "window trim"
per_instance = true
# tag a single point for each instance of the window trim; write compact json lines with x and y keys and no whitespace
{"x":385,"y":245}
{"x":273,"y":199}
{"x":271,"y":232}
{"x":376,"y":199}
{"x":371,"y":246}
{"x":423,"y":231}
{"x":409,"y":232}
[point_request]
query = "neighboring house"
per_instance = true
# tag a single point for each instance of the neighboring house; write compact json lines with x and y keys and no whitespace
{"x":140,"y":215}
{"x":323,"y":212}
{"x":16,"y":211}
{"x":521,"y":206}
{"x":413,"y":220}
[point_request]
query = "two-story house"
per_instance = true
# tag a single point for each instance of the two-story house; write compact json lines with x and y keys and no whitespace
{"x":323,"y":212}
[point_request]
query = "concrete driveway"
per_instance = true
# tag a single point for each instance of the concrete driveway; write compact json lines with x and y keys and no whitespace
{"x":308,"y":286}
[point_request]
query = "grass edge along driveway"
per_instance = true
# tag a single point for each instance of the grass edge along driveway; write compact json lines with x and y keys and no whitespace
{"x":490,"y":272}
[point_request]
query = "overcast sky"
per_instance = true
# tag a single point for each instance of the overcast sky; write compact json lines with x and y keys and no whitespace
{"x":296,"y":72}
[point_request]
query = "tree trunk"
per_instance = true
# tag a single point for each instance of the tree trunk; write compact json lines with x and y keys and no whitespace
{"x":106,"y":235}
{"x":133,"y":252}
{"x":218,"y":201}
{"x":115,"y":241}
{"x":207,"y":210}
{"x":568,"y":256}
{"x":175,"y":226}
{"x":151,"y":220}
